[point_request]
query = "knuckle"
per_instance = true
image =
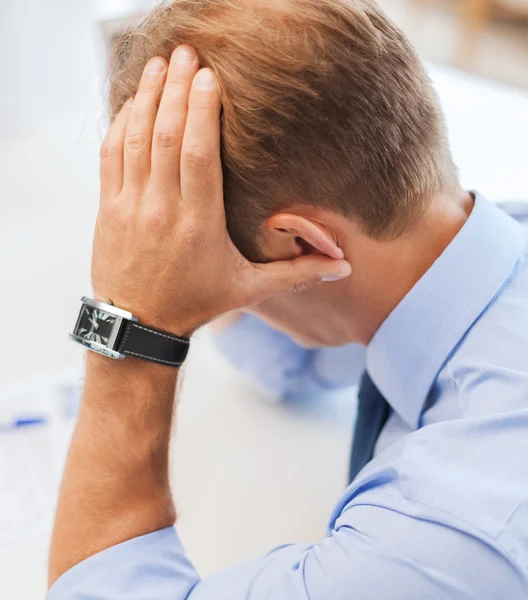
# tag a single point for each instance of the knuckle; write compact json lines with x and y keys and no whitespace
{"x":158,"y":219}
{"x":193,"y":231}
{"x":108,"y":208}
{"x":168,"y":140}
{"x":137,"y":142}
{"x":115,"y":213}
{"x":196,"y":158}
{"x":109,"y":149}
{"x":300,"y":286}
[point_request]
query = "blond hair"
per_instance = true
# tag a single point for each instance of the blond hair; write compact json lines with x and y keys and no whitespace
{"x":324,"y":102}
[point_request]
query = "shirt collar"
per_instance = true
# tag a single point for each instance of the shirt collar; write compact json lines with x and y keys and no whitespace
{"x":409,"y":349}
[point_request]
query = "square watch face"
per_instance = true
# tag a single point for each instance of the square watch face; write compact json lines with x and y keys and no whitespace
{"x":95,"y":325}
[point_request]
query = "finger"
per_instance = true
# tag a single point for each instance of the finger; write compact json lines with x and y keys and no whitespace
{"x":201,"y":167}
{"x":297,"y":275}
{"x":138,"y":139}
{"x":112,"y":154}
{"x":170,"y":121}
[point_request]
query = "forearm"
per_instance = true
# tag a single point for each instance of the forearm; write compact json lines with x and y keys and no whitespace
{"x":116,"y":482}
{"x":161,"y":251}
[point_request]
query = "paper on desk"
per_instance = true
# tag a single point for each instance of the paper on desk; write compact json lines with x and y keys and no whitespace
{"x":31,"y":458}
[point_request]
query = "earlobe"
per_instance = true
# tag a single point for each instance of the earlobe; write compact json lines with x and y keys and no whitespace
{"x":305,"y":234}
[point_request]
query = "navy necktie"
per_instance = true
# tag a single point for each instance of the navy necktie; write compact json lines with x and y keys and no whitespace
{"x":373,"y":412}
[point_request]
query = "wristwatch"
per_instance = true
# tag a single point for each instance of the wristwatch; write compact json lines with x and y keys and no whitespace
{"x":116,"y":333}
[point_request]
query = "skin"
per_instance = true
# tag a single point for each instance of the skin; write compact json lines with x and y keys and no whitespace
{"x":161,"y":251}
{"x":383,"y":272}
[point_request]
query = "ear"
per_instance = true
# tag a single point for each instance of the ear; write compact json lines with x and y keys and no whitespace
{"x":288,"y":236}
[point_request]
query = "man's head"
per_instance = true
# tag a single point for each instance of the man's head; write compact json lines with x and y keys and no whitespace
{"x":326,"y":107}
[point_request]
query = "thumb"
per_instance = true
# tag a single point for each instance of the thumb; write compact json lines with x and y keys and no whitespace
{"x":298,"y":274}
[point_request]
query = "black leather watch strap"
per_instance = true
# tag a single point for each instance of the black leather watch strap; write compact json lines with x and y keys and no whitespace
{"x":153,"y":344}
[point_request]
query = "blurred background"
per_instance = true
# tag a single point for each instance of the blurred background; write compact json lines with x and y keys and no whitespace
{"x":237,"y":444}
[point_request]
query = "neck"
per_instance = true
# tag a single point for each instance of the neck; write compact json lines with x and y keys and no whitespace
{"x":383,"y":272}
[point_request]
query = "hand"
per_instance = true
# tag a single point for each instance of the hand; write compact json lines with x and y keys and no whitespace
{"x":161,"y":247}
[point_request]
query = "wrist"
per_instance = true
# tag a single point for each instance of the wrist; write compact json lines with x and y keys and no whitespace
{"x":133,"y":388}
{"x":130,"y":373}
{"x":118,"y":333}
{"x":129,"y":368}
{"x":158,"y":318}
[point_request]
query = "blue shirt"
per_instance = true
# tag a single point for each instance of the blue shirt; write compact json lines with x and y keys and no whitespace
{"x":442,"y":509}
{"x":284,"y":370}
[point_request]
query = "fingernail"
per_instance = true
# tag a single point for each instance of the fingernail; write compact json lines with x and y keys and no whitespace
{"x":183,"y":55}
{"x":205,"y":79}
{"x":130,"y":103}
{"x":335,"y":277}
{"x":156,"y":65}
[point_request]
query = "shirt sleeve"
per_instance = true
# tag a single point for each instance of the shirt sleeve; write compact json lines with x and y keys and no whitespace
{"x":282,"y":367}
{"x":371,"y":553}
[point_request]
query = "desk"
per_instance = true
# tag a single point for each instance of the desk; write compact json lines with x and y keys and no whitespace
{"x":48,"y":196}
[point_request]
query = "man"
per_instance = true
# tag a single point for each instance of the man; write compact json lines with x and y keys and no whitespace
{"x":335,"y":171}
{"x":282,"y":370}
